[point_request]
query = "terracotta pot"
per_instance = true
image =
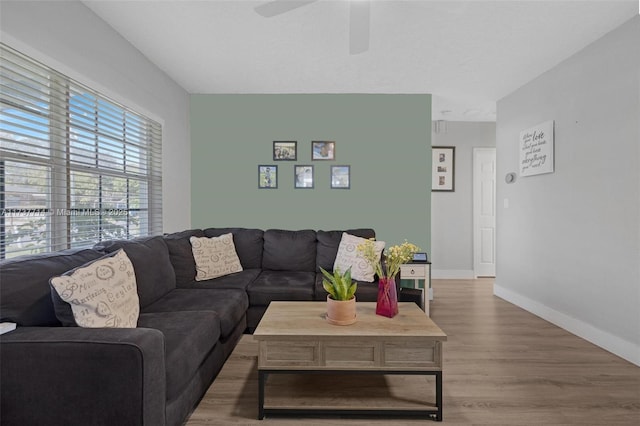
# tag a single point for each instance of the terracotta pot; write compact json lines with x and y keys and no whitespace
{"x":341,"y":312}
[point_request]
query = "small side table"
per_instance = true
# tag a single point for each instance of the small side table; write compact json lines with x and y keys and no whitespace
{"x":416,"y":272}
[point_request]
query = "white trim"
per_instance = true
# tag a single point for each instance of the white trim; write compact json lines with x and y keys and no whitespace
{"x":623,"y":348}
{"x":452,"y":274}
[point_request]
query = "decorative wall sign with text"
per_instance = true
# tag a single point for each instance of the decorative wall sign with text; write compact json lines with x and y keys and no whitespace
{"x":536,"y":149}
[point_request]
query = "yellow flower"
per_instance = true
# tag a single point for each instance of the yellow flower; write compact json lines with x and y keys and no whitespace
{"x":394,"y":256}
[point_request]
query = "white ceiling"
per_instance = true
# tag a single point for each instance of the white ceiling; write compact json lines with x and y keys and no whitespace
{"x":468,"y":54}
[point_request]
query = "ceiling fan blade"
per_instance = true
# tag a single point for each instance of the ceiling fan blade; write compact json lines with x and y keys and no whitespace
{"x":278,"y":7}
{"x":359,"y":20}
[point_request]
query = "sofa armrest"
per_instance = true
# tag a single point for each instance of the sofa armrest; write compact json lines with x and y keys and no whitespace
{"x":82,"y":376}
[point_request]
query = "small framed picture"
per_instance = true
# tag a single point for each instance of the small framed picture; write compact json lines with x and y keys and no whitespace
{"x":443,"y":162}
{"x":303,"y":177}
{"x":341,"y":177}
{"x":285,"y":150}
{"x":323,"y":150}
{"x":267,"y":177}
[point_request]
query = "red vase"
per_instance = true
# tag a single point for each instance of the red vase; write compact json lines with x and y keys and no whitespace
{"x":387,"y":297}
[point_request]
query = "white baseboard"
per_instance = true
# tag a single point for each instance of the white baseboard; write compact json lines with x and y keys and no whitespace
{"x":614,"y":344}
{"x":452,"y":274}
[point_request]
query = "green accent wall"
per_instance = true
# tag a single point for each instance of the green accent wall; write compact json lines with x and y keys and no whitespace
{"x":386,"y":139}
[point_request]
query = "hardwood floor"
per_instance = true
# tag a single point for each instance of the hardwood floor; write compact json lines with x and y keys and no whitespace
{"x":502,"y":365}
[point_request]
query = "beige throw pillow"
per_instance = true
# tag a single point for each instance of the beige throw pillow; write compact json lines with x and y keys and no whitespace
{"x":102,"y":294}
{"x":349,"y":257}
{"x":215,"y":256}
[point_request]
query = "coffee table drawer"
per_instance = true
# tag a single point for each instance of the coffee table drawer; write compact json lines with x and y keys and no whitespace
{"x":412,"y":354}
{"x":288,"y":354}
{"x":359,"y":354}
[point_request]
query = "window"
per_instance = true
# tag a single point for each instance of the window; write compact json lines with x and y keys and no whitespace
{"x":75,"y":167}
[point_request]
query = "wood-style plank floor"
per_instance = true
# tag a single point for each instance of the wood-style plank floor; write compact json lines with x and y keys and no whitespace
{"x":502,"y":366}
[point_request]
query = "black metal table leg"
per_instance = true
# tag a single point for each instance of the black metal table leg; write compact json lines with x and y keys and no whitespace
{"x":262,"y":377}
{"x":439,"y":395}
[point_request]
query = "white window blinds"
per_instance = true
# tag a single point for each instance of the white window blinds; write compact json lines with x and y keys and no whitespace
{"x":75,"y":166}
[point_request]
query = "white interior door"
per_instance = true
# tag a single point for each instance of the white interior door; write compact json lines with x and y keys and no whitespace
{"x":484,"y":212}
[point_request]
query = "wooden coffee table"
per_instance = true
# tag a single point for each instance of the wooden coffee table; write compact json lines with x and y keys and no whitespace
{"x":294,"y":338}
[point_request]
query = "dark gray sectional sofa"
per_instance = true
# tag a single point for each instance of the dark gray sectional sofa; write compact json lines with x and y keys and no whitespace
{"x":154,"y":374}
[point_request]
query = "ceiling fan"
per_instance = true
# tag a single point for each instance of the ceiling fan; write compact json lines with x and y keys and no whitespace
{"x":358,"y":19}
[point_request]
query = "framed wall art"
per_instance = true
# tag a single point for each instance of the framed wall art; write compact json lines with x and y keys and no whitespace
{"x":323,"y":150}
{"x":443,"y":168}
{"x":303,"y":176}
{"x":341,"y":177}
{"x":285,"y":150}
{"x":267,"y":177}
{"x":536,"y":149}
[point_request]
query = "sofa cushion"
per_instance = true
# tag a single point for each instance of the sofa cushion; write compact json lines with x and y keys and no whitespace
{"x":181,"y":254}
{"x":289,"y":250}
{"x":189,"y":338}
{"x":248,"y":244}
{"x":25,"y":294}
{"x":150,"y":257}
{"x":215,"y":256}
{"x":230,"y":305}
{"x":349,"y":257}
{"x":281,"y":285}
{"x":239,"y":281}
{"x":99,"y":294}
{"x":328,"y":242}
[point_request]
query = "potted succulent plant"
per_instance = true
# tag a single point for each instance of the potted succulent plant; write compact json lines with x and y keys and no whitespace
{"x":341,"y":300}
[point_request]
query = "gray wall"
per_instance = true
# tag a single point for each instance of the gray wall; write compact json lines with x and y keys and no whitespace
{"x":569,"y":242}
{"x":385,"y":139}
{"x":69,"y":37}
{"x":452,"y":212}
